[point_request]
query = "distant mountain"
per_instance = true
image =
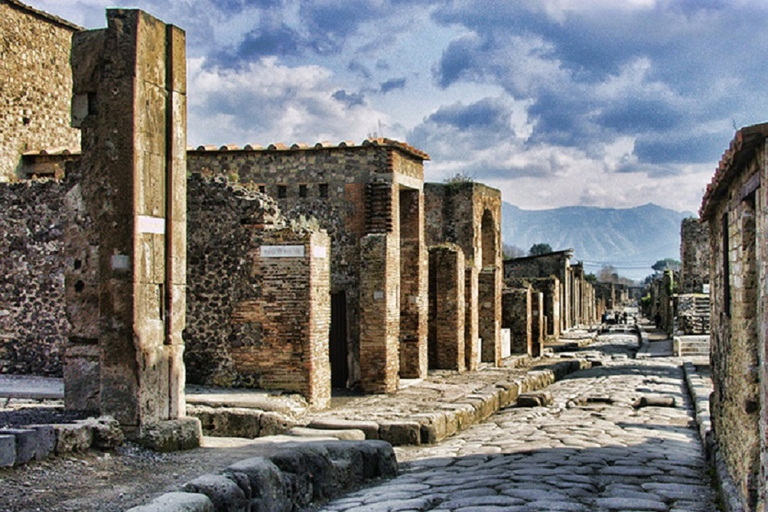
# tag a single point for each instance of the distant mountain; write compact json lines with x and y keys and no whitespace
{"x":630,"y":239}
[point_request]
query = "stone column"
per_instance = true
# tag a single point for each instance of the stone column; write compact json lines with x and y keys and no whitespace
{"x":130,"y":102}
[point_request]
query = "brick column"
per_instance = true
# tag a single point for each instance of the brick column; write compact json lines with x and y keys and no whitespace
{"x":446,"y":308}
{"x":471,"y":332}
{"x":489,"y":314}
{"x":516,"y":315}
{"x":379,"y":313}
{"x":537,"y":323}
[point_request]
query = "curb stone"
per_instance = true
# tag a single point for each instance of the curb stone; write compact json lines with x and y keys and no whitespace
{"x":290,"y":479}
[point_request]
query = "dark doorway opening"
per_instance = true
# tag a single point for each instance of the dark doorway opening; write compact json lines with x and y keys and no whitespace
{"x":338,"y":340}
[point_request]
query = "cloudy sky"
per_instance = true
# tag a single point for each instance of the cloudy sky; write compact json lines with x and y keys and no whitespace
{"x":611,"y":103}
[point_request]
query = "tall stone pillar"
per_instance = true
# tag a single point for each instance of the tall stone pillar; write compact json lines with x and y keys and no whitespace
{"x":130,"y":102}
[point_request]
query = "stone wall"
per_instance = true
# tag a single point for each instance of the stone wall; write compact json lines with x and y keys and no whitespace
{"x":736,"y":211}
{"x":36,"y":84}
{"x":255,"y":320}
{"x":694,"y":255}
{"x":33,"y":323}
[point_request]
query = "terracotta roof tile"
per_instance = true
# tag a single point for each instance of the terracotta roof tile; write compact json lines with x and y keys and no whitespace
{"x":739,"y":151}
{"x":300,"y":146}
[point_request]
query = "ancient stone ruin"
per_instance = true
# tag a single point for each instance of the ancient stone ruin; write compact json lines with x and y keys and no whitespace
{"x":734,"y":210}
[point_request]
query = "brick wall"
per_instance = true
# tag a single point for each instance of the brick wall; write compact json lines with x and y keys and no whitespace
{"x":254,"y":320}
{"x":518,"y":317}
{"x":446,"y":308}
{"x":380,"y":321}
{"x":469,"y":215}
{"x":351,"y":191}
{"x":36,"y":83}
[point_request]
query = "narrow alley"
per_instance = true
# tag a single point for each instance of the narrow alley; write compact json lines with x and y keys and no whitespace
{"x":619,"y":436}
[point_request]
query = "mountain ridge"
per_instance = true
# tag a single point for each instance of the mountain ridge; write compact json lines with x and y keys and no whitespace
{"x":630,"y":239}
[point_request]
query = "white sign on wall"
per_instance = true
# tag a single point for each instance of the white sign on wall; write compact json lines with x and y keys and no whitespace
{"x":282,"y":251}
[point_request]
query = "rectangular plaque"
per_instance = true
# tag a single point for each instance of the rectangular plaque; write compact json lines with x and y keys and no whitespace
{"x":153,"y":225}
{"x":282,"y":251}
{"x":320,"y":252}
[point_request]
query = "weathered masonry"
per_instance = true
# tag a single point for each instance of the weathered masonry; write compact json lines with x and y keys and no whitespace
{"x":258,"y":294}
{"x":468,"y":215}
{"x":693,"y":311}
{"x":370,"y":200}
{"x":125,"y":254}
{"x":37,"y":84}
{"x":734,"y":206}
{"x":569,"y":299}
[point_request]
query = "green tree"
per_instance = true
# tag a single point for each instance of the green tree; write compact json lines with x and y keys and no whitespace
{"x":666,"y":264}
{"x":537,"y":249}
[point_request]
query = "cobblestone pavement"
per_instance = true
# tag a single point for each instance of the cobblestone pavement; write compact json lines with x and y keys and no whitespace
{"x":589,"y":451}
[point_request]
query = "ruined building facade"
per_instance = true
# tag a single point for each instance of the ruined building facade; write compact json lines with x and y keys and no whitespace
{"x":469,"y":215}
{"x":569,"y":299}
{"x":734,"y":207}
{"x":693,"y":310}
{"x":35,"y":102}
{"x":370,"y":200}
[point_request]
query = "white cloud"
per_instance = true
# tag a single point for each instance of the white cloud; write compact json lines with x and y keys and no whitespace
{"x":268,"y":102}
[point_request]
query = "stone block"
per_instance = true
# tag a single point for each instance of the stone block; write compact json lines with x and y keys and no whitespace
{"x":432,"y":427}
{"x":298,"y":479}
{"x":370,"y":428}
{"x":106,"y":431}
{"x":379,"y":459}
{"x":273,"y":423}
{"x":347,"y":461}
{"x":400,"y":433}
{"x":26,"y":443}
{"x":72,"y":438}
{"x":46,"y":440}
{"x":172,"y":435}
{"x":7,"y":450}
{"x":266,"y":486}
{"x":535,"y":399}
{"x":342,"y":435}
{"x":177,"y":502}
{"x":228,"y":421}
{"x":223,"y":493}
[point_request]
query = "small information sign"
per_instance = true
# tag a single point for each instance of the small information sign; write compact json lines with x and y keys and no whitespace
{"x":282,"y":251}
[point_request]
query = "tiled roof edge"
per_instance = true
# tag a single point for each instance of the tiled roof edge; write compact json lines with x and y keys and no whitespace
{"x":743,"y":142}
{"x":279,"y":146}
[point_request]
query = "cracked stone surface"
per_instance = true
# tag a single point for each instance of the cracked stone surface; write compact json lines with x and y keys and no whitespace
{"x":590,"y":450}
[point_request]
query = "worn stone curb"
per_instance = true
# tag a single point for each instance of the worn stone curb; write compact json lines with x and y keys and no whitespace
{"x":37,"y":442}
{"x":291,"y":478}
{"x":700,"y":391}
{"x":449,"y":418}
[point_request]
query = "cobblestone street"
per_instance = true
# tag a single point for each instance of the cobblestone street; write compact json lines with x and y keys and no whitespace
{"x":598,"y":447}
